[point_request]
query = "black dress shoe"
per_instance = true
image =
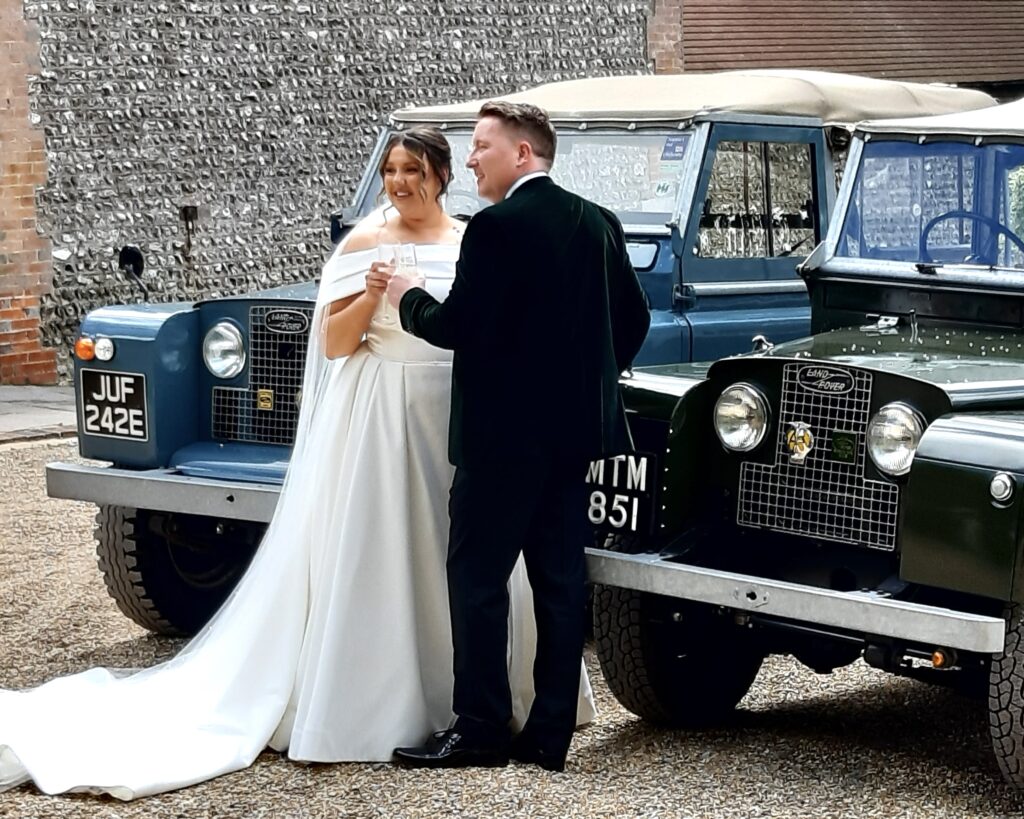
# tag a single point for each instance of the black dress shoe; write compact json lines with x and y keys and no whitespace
{"x":523,"y":750}
{"x":449,"y":749}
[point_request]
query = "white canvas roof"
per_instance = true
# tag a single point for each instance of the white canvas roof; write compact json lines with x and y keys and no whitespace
{"x":999,"y":121}
{"x":831,"y":97}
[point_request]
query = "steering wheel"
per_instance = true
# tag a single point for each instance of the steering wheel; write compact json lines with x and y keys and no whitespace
{"x":922,"y":249}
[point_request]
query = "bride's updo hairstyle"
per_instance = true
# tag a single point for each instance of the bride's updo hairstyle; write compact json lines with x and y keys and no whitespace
{"x":428,"y":145}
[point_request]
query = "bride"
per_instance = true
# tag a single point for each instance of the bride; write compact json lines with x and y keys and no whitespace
{"x":336,"y":644}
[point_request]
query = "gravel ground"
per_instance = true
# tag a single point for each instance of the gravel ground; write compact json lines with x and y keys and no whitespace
{"x":856,"y":743}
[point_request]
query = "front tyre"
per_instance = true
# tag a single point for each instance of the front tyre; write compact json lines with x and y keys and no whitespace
{"x":1006,"y":700}
{"x":170,"y":573}
{"x":671,"y":662}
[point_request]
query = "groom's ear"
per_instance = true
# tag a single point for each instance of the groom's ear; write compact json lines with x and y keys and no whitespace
{"x":524,"y":151}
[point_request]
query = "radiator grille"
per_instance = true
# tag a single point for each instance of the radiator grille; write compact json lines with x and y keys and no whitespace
{"x":276,"y":363}
{"x":822,"y":497}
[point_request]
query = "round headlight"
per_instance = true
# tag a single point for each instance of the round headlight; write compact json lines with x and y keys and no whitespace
{"x":741,"y":417}
{"x":893,"y":436}
{"x":223,"y":350}
{"x":104,"y":349}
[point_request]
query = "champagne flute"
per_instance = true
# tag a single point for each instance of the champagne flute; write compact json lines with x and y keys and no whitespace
{"x":387,"y":252}
{"x":406,"y":265}
{"x":402,"y":257}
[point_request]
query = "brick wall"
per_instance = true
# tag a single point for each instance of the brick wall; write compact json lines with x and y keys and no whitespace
{"x":665,"y":36}
{"x":262,"y":115}
{"x":25,"y":272}
{"x":927,"y":40}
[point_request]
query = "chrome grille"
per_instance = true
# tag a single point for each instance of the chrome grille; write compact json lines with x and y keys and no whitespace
{"x":275,"y":363}
{"x":821,"y":497}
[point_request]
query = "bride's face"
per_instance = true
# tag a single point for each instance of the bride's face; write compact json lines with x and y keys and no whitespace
{"x":409,"y":182}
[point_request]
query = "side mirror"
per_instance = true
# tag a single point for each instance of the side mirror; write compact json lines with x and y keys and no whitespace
{"x":342,"y":221}
{"x":131,"y":262}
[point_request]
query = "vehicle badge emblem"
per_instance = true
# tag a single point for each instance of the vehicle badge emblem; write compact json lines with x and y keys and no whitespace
{"x":799,"y":441}
{"x":825,"y":380}
{"x":844,"y":447}
{"x":286,"y":321}
{"x":264,"y":399}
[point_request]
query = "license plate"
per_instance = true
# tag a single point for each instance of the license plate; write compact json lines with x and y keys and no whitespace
{"x":622,"y":492}
{"x":114,"y":405}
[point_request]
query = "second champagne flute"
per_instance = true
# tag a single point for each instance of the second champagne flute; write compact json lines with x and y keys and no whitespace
{"x":389,"y":253}
{"x":403,"y":256}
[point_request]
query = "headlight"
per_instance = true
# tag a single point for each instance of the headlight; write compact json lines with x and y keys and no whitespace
{"x":223,"y":351}
{"x":741,"y":417}
{"x":104,"y":349}
{"x":893,"y":436}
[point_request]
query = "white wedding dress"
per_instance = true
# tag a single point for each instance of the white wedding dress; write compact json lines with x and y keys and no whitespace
{"x":336,"y":644}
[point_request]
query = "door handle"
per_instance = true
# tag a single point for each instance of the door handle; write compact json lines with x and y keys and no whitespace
{"x":684,"y":296}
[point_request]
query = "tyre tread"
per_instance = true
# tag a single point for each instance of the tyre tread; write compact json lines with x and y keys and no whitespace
{"x":1006,"y":700}
{"x":116,"y":545}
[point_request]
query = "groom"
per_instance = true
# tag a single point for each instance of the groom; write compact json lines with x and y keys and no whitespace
{"x":544,"y":314}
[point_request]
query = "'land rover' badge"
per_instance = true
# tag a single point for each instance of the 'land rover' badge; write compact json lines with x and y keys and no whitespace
{"x":825,"y":380}
{"x":286,"y":321}
{"x":799,"y":441}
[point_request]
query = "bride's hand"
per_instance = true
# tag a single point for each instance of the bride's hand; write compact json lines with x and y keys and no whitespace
{"x":378,"y":277}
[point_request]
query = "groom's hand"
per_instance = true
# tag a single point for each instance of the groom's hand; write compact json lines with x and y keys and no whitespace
{"x":400,"y":285}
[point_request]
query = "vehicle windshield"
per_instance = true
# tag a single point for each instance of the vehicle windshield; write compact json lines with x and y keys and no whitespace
{"x":634,"y":174}
{"x":937,"y":203}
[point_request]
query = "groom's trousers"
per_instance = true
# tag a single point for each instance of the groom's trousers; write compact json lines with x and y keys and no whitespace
{"x":537,"y":507}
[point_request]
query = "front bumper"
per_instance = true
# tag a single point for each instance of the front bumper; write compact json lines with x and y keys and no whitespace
{"x":163,"y":490}
{"x":858,"y":612}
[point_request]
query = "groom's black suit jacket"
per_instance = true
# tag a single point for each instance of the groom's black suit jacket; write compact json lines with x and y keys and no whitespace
{"x":545,"y":312}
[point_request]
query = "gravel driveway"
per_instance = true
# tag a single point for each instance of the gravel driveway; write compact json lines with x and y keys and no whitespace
{"x":856,"y":743}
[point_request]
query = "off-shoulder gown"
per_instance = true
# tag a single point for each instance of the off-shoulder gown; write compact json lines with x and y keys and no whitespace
{"x":336,"y":643}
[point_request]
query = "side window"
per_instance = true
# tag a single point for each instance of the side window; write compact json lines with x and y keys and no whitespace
{"x":1010,"y":254}
{"x":759,"y":202}
{"x":792,"y":198}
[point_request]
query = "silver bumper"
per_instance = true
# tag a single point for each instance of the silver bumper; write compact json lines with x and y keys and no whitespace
{"x":859,"y":612}
{"x":163,"y":490}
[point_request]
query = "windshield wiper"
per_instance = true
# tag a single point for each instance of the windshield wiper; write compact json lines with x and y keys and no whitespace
{"x":794,"y":247}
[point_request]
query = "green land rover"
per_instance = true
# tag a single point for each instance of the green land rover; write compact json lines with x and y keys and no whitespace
{"x":854,"y":494}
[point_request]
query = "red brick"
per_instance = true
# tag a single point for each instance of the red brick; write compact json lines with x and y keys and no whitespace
{"x":30,"y":374}
{"x":18,"y":282}
{"x":40,"y":373}
{"x":664,"y":36}
{"x":42,"y":357}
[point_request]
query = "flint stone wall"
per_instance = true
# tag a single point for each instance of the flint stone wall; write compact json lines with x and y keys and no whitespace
{"x":262,"y":115}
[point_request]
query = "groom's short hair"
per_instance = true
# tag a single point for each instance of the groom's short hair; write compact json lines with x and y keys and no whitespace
{"x":530,"y":122}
